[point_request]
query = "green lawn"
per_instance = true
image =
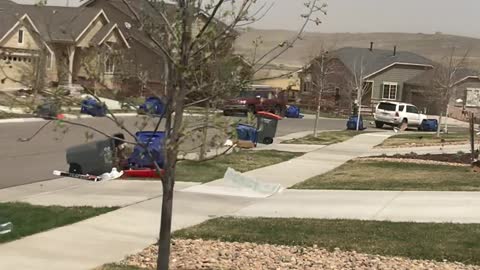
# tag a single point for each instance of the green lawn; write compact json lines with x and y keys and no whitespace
{"x":30,"y":219}
{"x":425,"y":139}
{"x":326,"y":138}
{"x":452,"y":242}
{"x":382,"y":175}
{"x":245,"y":160}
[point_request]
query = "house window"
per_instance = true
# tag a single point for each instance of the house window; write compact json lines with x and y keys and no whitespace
{"x":473,"y":97}
{"x":20,"y":36}
{"x":109,"y":66}
{"x":390,"y":90}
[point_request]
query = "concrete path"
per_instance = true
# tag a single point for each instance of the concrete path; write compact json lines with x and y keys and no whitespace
{"x":456,"y":207}
{"x":302,"y":168}
{"x":74,"y":192}
{"x":110,"y":237}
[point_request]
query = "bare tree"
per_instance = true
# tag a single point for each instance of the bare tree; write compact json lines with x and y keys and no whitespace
{"x":358,"y":88}
{"x":189,"y":47}
{"x":445,"y":77}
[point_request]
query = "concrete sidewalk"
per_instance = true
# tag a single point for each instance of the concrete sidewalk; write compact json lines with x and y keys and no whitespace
{"x":302,"y":168}
{"x":401,"y":206}
{"x":110,"y":237}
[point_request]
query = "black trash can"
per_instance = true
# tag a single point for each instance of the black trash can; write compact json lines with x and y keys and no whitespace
{"x":49,"y":109}
{"x":94,"y":158}
{"x":267,"y":127}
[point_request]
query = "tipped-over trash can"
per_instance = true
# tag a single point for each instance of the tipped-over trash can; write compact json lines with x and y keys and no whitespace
{"x":247,"y":133}
{"x":429,"y":125}
{"x":267,"y":127}
{"x":49,"y":109}
{"x":93,"y":108}
{"x":94,"y":158}
{"x":152,"y":106}
{"x":154,"y":142}
{"x":352,"y":123}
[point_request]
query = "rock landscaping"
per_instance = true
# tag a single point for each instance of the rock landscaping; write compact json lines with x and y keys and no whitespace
{"x":201,"y":254}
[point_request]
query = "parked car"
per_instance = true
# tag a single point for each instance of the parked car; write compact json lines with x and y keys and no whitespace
{"x":259,"y":98}
{"x":397,"y":114}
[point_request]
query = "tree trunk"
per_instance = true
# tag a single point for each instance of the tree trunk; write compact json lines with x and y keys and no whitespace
{"x":359,"y":115}
{"x":439,"y":125}
{"x":203,"y":146}
{"x":163,"y":258}
{"x":317,"y":118}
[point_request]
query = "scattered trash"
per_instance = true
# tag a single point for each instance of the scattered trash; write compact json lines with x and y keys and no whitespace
{"x":142,"y":173}
{"x":5,"y":227}
{"x":228,"y":143}
{"x":234,"y":178}
{"x":114,"y":174}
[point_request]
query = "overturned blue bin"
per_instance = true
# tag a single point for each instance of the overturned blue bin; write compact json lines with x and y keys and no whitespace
{"x":247,"y":133}
{"x":93,"y":108}
{"x":429,"y":125}
{"x":293,"y":112}
{"x":155,"y":143}
{"x":152,"y":106}
{"x":352,"y":123}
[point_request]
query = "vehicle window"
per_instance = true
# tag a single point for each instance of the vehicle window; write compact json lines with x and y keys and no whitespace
{"x":247,"y":94}
{"x":401,"y":107}
{"x":262,"y":94}
{"x":412,"y":109}
{"x":387,"y":106}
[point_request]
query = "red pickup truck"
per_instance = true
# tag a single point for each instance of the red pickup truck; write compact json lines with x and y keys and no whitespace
{"x":259,"y":98}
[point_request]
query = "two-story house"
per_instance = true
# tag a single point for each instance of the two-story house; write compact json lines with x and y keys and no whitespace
{"x":383,"y":74}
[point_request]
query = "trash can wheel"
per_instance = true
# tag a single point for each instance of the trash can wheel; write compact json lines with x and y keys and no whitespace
{"x":75,"y":168}
{"x":268,"y":140}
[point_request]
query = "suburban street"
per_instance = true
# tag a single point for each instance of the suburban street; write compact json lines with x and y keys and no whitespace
{"x":29,"y":162}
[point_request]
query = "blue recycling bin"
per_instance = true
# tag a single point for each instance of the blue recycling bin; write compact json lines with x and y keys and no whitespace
{"x":293,"y":112}
{"x":429,"y":125}
{"x":352,"y":123}
{"x":155,"y":143}
{"x":247,"y":133}
{"x":152,"y":106}
{"x":93,"y":108}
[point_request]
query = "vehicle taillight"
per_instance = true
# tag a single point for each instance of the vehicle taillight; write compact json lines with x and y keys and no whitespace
{"x":397,"y":114}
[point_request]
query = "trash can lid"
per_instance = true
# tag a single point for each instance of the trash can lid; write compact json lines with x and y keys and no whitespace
{"x":269,"y":115}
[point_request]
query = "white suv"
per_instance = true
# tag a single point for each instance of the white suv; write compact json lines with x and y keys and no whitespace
{"x":396,"y":114}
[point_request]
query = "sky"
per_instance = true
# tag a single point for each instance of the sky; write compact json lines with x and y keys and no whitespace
{"x":411,"y":16}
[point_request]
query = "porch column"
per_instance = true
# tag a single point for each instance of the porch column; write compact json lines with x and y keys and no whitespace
{"x":71,"y":57}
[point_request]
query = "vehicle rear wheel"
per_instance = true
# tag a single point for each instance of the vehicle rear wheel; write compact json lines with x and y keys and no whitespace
{"x":251,"y":109}
{"x":378,"y":124}
{"x":403,"y":125}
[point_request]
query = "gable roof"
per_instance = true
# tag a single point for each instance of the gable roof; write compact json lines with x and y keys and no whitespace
{"x":426,"y":78}
{"x":375,"y":61}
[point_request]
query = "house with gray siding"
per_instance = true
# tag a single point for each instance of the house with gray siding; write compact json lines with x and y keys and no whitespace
{"x":384,"y":74}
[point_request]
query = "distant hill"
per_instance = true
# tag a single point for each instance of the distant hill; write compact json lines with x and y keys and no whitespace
{"x":433,"y":46}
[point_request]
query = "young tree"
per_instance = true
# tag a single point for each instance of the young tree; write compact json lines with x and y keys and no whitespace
{"x":445,"y":77}
{"x":358,"y":88}
{"x":196,"y":40}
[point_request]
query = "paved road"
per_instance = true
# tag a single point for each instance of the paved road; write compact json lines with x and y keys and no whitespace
{"x":28,"y":162}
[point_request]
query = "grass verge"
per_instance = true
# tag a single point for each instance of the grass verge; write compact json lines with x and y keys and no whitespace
{"x":453,"y":242}
{"x":421,"y":139}
{"x":383,"y":175}
{"x":326,"y":138}
{"x":29,"y":219}
{"x":243,"y":161}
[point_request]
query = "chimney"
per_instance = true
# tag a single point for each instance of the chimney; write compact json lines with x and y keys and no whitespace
{"x":371,"y":46}
{"x":395,"y":50}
